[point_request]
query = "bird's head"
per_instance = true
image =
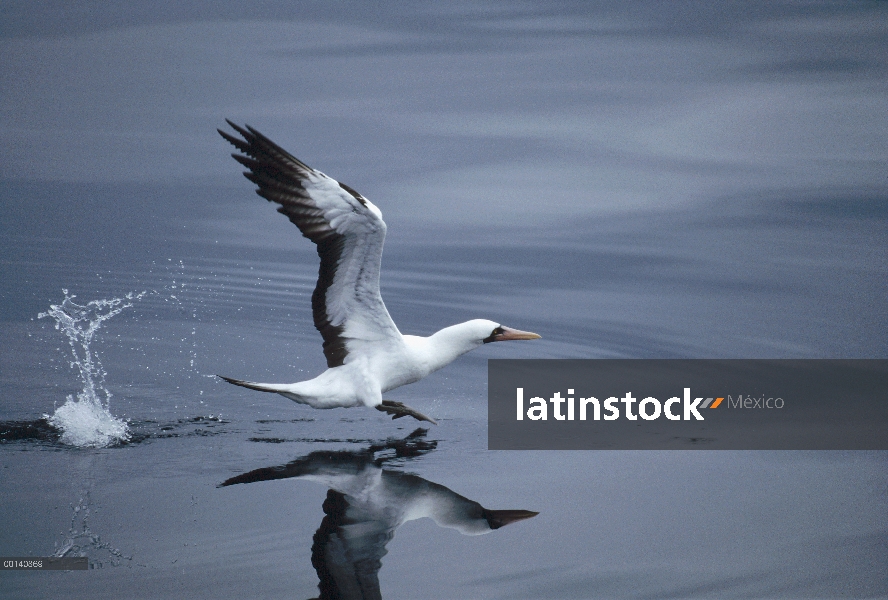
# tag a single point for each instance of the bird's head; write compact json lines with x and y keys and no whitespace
{"x":456,"y":340}
{"x":489,"y":331}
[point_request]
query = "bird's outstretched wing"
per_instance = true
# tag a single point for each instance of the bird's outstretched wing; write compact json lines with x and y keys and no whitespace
{"x":347,"y":549}
{"x":349,"y":232}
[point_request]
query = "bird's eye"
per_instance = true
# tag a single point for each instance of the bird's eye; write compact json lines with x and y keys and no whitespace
{"x":497,"y":331}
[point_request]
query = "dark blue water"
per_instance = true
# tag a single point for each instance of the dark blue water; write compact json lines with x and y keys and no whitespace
{"x":689,"y":181}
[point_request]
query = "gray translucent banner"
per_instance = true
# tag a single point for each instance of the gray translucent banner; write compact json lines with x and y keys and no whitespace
{"x":688,"y":404}
{"x":44,"y":563}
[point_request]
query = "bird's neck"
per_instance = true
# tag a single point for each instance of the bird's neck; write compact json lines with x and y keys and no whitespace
{"x":445,"y":346}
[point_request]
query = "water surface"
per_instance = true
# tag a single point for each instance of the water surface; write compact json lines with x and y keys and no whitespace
{"x":640,"y":181}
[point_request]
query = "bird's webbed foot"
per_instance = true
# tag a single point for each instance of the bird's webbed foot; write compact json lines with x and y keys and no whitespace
{"x":398,"y":410}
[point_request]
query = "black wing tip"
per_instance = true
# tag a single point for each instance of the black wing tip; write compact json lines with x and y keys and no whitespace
{"x":254,"y":141}
{"x":228,"y":137}
{"x":241,"y":130}
{"x":248,"y":134}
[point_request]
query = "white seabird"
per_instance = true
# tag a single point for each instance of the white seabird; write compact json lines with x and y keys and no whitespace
{"x":366,"y":354}
{"x":366,"y":503}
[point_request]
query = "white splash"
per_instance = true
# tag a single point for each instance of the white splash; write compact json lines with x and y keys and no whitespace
{"x":81,"y":541}
{"x":86,"y":421}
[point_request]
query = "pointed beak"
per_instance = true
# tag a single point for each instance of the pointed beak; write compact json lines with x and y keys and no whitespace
{"x":514,"y":334}
{"x":501,"y":518}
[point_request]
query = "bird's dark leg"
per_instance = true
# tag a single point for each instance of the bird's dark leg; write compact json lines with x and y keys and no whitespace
{"x":398,"y":410}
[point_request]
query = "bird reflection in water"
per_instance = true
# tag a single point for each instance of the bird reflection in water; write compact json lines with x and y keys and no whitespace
{"x":366,"y":503}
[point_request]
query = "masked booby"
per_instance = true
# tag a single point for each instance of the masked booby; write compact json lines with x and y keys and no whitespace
{"x":366,"y":354}
{"x":367,"y":502}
